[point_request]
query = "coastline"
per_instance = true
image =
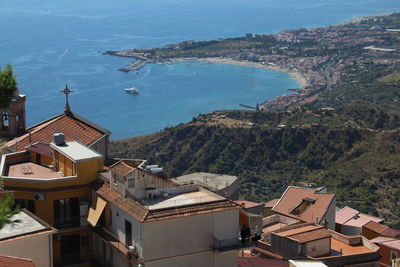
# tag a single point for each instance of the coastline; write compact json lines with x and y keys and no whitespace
{"x":297,"y":76}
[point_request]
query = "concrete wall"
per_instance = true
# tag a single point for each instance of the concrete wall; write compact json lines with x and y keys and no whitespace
{"x":37,"y":248}
{"x":331,"y":215}
{"x":350,"y":230}
{"x":318,"y":247}
{"x":101,"y":146}
{"x":201,"y":259}
{"x":118,"y":228}
{"x":188,"y":235}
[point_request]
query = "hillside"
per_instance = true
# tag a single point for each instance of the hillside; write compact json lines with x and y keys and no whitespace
{"x":343,"y":133}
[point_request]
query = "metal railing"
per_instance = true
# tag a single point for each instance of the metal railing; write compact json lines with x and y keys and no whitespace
{"x":76,"y":221}
{"x":226,"y":244}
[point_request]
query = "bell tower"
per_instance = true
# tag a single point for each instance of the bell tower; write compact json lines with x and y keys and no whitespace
{"x":13,"y":121}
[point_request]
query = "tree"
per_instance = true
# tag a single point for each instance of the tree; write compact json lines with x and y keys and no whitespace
{"x":8,"y":85}
{"x":7,"y":209}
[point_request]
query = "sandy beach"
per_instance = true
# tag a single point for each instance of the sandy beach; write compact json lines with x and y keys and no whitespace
{"x":295,"y":75}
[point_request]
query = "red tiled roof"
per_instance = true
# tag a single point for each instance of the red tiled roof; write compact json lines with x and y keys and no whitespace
{"x":41,"y":148}
{"x":352,"y":217}
{"x":375,"y":227}
{"x":294,"y":196}
{"x":311,"y":235}
{"x":247,"y":204}
{"x":382,"y":229}
{"x":271,"y":203}
{"x":141,"y":214}
{"x":258,"y":262}
{"x":74,"y":128}
{"x":388,"y":242}
{"x":121,"y":168}
{"x":9,"y":261}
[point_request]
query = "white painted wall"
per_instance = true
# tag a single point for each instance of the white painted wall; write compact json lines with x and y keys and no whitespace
{"x":37,"y":248}
{"x":202,"y":259}
{"x":331,"y":215}
{"x":118,"y":228}
{"x":188,"y":235}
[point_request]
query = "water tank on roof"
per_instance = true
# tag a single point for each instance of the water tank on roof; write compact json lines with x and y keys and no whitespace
{"x":59,"y":139}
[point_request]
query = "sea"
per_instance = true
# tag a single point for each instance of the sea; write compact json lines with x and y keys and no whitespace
{"x":51,"y":43}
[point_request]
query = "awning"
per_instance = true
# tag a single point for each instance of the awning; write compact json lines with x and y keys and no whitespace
{"x":95,"y":211}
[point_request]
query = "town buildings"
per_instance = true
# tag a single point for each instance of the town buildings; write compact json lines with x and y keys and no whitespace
{"x":59,"y":193}
{"x":350,"y":221}
{"x":389,"y":249}
{"x":151,"y":221}
{"x":27,"y":241}
{"x":313,"y":205}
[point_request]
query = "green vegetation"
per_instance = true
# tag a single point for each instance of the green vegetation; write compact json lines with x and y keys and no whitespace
{"x":346,"y":138}
{"x":7,"y":209}
{"x":8,"y":85}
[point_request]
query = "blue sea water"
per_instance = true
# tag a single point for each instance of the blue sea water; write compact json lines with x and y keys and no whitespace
{"x":51,"y":43}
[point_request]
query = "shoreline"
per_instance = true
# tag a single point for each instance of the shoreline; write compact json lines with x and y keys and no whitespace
{"x":297,"y":76}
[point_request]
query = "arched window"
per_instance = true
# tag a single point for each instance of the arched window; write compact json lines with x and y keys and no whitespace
{"x":4,"y":120}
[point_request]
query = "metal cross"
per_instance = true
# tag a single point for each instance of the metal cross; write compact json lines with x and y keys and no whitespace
{"x":66,"y":91}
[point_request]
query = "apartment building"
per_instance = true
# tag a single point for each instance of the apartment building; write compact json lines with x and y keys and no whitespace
{"x":53,"y":182}
{"x":141,"y":219}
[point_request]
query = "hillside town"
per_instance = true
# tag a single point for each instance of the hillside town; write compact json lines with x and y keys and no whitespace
{"x":80,"y":208}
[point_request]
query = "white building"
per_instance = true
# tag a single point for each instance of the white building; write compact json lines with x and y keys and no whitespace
{"x":150,"y":221}
{"x":28,"y":237}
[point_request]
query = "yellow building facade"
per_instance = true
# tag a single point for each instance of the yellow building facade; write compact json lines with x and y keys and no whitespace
{"x":54,"y":182}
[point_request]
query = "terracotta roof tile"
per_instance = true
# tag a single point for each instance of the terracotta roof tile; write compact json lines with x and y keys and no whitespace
{"x":247,"y":204}
{"x":311,"y":235}
{"x":388,"y":242}
{"x":294,"y":196}
{"x":375,"y":227}
{"x":8,"y":261}
{"x":73,"y":127}
{"x":41,"y":148}
{"x":271,"y":203}
{"x":142,"y":214}
{"x":121,"y":168}
{"x":352,"y":217}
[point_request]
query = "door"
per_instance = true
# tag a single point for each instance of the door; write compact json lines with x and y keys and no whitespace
{"x":70,"y":249}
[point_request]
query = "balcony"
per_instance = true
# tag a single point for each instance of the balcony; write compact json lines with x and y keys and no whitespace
{"x":78,"y":221}
{"x":222,"y":245}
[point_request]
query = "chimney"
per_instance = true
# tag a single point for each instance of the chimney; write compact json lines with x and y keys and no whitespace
{"x":59,"y":139}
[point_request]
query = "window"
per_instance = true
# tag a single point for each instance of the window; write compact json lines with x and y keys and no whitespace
{"x":66,"y":212}
{"x":393,"y":255}
{"x":57,"y":160}
{"x":28,"y":204}
{"x":128,"y":233}
{"x":85,"y":241}
{"x":131,"y":183}
{"x":73,"y":168}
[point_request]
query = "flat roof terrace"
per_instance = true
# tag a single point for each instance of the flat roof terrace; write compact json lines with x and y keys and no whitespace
{"x":182,"y":199}
{"x":31,"y":170}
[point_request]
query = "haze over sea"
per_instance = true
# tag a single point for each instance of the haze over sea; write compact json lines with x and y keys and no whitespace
{"x":52,"y":43}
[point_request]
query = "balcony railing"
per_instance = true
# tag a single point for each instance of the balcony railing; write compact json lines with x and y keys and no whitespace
{"x":76,"y":221}
{"x":226,"y":244}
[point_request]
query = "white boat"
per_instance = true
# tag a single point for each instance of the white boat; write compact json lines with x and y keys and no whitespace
{"x":132,"y":90}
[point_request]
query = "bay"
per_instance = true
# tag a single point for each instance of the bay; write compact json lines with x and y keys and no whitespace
{"x":52,"y":43}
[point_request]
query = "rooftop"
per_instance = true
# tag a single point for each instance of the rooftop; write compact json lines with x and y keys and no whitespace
{"x":185,"y":204}
{"x":40,"y":148}
{"x":307,"y":263}
{"x":9,"y":261}
{"x":76,"y":151}
{"x":182,"y":199}
{"x":352,"y":217}
{"x":247,"y":204}
{"x":217,"y":181}
{"x":381,"y":229}
{"x":388,"y":242}
{"x":31,"y":170}
{"x":24,"y":225}
{"x":316,"y":208}
{"x":73,"y":126}
{"x":271,"y":203}
{"x":338,"y":246}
